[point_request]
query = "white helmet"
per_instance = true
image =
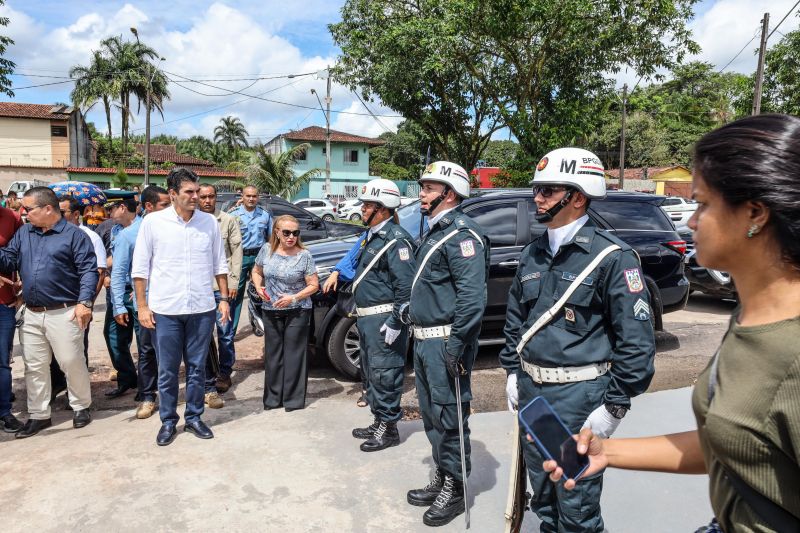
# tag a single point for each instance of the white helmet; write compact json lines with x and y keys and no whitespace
{"x":450,"y":174}
{"x":381,"y":191}
{"x":574,"y":167}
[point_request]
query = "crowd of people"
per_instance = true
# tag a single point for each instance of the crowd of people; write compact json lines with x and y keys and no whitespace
{"x":578,"y":331}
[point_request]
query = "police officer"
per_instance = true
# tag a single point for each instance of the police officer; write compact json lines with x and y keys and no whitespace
{"x":256,"y":225}
{"x":382,"y":283}
{"x":448,"y":297}
{"x":597,"y":351}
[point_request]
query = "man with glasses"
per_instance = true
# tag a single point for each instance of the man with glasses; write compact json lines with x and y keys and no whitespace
{"x":59,"y":301}
{"x":596,"y":350}
{"x":232,"y":243}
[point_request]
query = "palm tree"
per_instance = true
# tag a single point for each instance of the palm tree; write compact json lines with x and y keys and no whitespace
{"x":274,"y":173}
{"x":94,"y":83}
{"x":231,"y":134}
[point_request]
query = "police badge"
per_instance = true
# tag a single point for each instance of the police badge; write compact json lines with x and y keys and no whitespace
{"x":467,"y":248}
{"x":634,"y":280}
{"x":403,"y":253}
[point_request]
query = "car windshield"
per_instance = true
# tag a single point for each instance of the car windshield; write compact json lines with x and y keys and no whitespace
{"x":410,"y":217}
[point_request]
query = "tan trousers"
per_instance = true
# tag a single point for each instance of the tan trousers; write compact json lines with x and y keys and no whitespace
{"x":42,"y":335}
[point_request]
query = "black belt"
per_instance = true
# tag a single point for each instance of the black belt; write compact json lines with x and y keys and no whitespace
{"x":43,"y":308}
{"x":251,"y":251}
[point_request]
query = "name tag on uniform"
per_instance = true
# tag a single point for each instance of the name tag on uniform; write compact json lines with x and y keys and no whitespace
{"x":572,"y":277}
{"x":403,"y":253}
{"x":582,"y":239}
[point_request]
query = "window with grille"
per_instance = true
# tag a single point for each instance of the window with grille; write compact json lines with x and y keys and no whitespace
{"x":351,"y":156}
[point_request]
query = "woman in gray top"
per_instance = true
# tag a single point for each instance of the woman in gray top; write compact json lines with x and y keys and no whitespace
{"x":285,"y":277}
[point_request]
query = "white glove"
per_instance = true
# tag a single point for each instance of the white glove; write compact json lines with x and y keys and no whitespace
{"x":602,"y":423}
{"x":512,"y":392}
{"x":391,"y":334}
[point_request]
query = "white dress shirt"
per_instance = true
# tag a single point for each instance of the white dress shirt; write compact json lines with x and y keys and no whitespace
{"x":99,"y":247}
{"x":375,"y":229}
{"x":558,"y":236}
{"x":180,"y":260}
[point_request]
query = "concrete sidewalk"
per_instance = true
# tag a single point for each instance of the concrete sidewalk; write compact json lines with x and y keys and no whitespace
{"x":299,"y":471}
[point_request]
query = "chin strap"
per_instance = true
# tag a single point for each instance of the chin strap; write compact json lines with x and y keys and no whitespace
{"x":435,"y":203}
{"x":548,"y":215}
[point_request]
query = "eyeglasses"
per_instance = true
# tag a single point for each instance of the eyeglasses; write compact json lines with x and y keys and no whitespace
{"x":29,"y":209}
{"x":286,"y":233}
{"x":547,"y":190}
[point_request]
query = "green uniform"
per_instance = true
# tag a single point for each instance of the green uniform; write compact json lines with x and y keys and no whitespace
{"x":450,"y":290}
{"x":388,"y":282}
{"x":607,"y":319}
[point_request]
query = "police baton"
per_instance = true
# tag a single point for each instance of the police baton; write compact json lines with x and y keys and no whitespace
{"x":461,"y":444}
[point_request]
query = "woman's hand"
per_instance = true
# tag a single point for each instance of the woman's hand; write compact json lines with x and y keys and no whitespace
{"x":331,"y":283}
{"x":588,"y":444}
{"x":284,"y":301}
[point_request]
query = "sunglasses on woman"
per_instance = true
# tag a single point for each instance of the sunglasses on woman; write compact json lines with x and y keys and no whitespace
{"x":546,"y":190}
{"x":287,"y":233}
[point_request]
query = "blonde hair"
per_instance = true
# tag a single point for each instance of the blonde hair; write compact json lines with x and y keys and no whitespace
{"x":274,"y":241}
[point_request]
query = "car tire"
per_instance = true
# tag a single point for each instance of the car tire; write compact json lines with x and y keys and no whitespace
{"x":355,"y":217}
{"x":656,"y":306}
{"x":328,"y":218}
{"x":344,"y":351}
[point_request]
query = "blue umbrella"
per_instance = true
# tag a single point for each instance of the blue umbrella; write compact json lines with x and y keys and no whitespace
{"x":85,"y":193}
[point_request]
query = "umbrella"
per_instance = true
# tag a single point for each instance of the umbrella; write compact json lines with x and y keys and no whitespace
{"x":85,"y":193}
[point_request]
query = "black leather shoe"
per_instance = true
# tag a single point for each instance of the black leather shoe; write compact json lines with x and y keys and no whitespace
{"x":81,"y":418}
{"x":118,"y":391}
{"x":425,"y":496}
{"x":32,"y":427}
{"x":10,"y":423}
{"x":366,"y":433}
{"x":448,"y":504}
{"x":385,"y":436}
{"x":166,"y":434}
{"x":199,"y":429}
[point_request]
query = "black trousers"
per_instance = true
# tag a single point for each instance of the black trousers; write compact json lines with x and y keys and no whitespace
{"x":286,"y":371}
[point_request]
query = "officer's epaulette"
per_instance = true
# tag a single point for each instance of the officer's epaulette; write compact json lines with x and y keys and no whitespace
{"x":382,"y":233}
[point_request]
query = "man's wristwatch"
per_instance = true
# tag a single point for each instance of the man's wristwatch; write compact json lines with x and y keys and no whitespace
{"x":617,"y":411}
{"x":87,"y":303}
{"x":225,"y":299}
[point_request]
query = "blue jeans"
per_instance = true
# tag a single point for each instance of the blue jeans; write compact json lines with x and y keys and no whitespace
{"x":7,"y":327}
{"x":182,"y":338}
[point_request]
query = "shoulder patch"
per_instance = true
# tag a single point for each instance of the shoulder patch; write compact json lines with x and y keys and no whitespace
{"x":634,"y":280}
{"x":467,"y":248}
{"x":403,"y":253}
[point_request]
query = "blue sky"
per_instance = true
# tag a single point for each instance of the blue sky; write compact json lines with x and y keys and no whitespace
{"x":206,"y":39}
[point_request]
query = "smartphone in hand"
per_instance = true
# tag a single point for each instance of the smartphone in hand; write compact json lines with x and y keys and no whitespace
{"x":552,"y":437}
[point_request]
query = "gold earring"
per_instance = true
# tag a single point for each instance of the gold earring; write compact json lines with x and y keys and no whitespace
{"x":754,"y":229}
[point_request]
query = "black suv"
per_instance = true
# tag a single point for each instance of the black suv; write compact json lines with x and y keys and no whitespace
{"x":507,"y":217}
{"x":313,"y":227}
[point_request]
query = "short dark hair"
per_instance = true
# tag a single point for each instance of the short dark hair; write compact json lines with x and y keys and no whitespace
{"x":130,"y":204}
{"x":209,"y":185}
{"x":757,"y":159}
{"x":74,"y":204}
{"x":251,"y":187}
{"x":43,"y":196}
{"x":150,"y":194}
{"x":178,"y":175}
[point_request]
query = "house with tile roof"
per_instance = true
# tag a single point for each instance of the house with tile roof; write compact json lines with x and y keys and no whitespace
{"x":103,"y":177}
{"x":168,"y":153}
{"x":349,"y":160}
{"x":39,"y":142}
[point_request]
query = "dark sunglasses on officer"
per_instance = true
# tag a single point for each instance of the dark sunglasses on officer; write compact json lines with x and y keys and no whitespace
{"x":547,"y":190}
{"x":287,"y":233}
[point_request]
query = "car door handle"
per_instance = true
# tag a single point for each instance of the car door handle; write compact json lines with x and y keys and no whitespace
{"x":511,"y":263}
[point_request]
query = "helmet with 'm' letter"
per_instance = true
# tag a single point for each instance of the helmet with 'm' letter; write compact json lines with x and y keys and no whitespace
{"x":381,"y":191}
{"x":452,"y":175}
{"x":572,"y":167}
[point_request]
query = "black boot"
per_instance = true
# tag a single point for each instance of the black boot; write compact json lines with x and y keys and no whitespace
{"x":427,"y":495}
{"x":385,"y":436}
{"x":448,"y":504}
{"x":366,"y":433}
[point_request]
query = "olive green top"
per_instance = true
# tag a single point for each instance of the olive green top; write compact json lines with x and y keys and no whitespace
{"x":753,"y":424}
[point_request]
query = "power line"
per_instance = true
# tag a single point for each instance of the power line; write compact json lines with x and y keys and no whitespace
{"x":740,"y":51}
{"x":379,"y":121}
{"x":784,"y":18}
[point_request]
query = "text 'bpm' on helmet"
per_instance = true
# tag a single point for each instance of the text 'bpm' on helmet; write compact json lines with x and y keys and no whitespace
{"x":450,"y":174}
{"x":381,"y":191}
{"x":573,"y":167}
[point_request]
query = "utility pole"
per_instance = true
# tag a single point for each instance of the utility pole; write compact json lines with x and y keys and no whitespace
{"x":146,"y":181}
{"x":762,"y":49}
{"x":328,"y":135}
{"x":622,"y":139}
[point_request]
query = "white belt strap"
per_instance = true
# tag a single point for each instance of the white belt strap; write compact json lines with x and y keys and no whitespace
{"x":543,"y":374}
{"x":550,"y":313}
{"x":427,"y":257}
{"x":371,"y":264}
{"x":374,"y":310}
{"x":433,"y":332}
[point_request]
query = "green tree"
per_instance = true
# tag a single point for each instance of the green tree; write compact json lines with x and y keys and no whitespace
{"x":231,"y":134}
{"x":120,"y":178}
{"x":274,"y":173}
{"x":400,"y":51}
{"x":781,"y":89}
{"x":500,"y":153}
{"x":6,"y":65}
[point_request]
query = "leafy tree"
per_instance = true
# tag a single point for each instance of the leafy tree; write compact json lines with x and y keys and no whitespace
{"x":274,"y":173}
{"x":120,"y":178}
{"x":781,"y":89}
{"x":6,"y":65}
{"x":405,"y":149}
{"x":500,"y":153}
{"x":231,"y":134}
{"x":399,"y":51}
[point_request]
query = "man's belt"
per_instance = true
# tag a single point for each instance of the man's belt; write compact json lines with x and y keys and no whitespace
{"x":43,"y":308}
{"x":565,"y":374}
{"x":251,"y":251}
{"x":374,"y":310}
{"x":433,"y":332}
